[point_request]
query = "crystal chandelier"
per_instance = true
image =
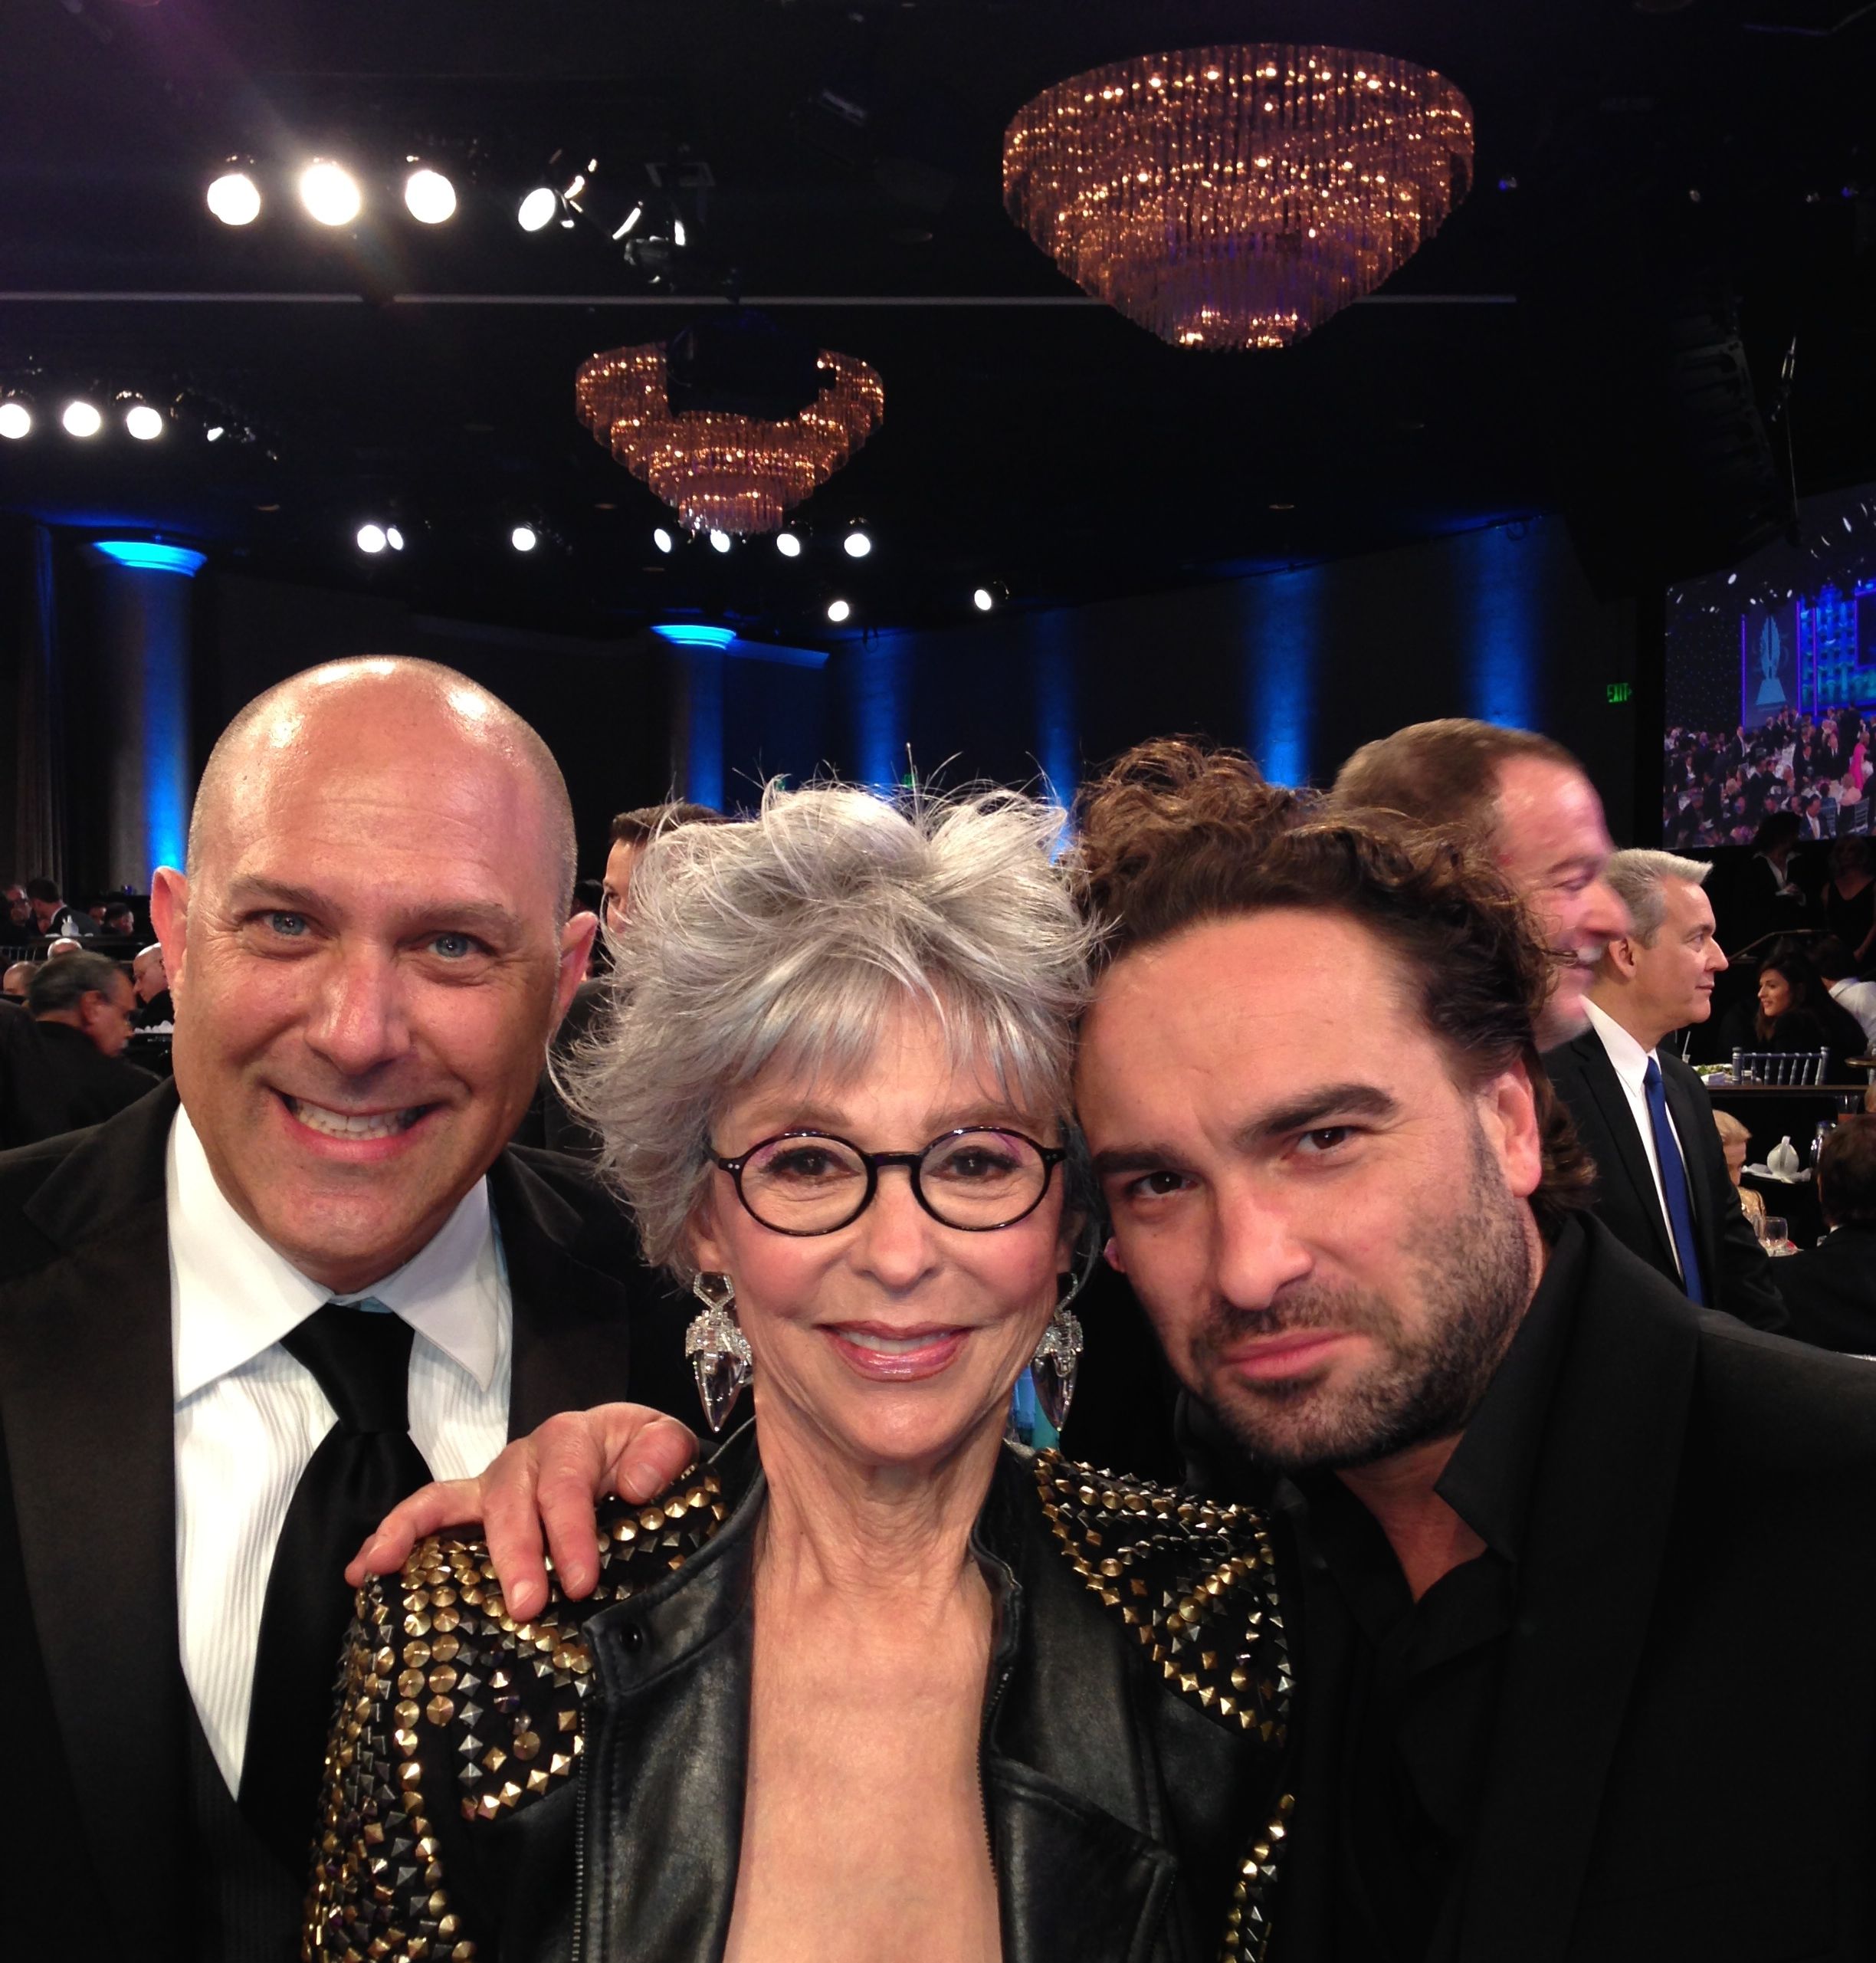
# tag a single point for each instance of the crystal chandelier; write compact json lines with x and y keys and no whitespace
{"x":725,"y":473}
{"x":1237,"y":197}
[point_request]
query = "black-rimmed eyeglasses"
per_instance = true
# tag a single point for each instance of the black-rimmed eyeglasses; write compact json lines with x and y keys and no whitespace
{"x":814,"y":1183}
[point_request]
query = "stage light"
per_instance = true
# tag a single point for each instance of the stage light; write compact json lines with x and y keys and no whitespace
{"x":983,"y":600}
{"x":145,"y":423}
{"x":215,"y":432}
{"x":370,"y":539}
{"x":15,"y":420}
{"x":536,"y":211}
{"x":678,"y":234}
{"x":429,"y":197}
{"x":787,"y":545}
{"x":329,"y":192}
{"x":394,"y":538}
{"x":837,"y":611}
{"x":856,"y":545}
{"x":524,"y":538}
{"x":693,"y":634}
{"x":662,"y":540}
{"x":145,"y":555}
{"x":720,"y":541}
{"x":631,"y":219}
{"x":81,"y":419}
{"x":235,"y":198}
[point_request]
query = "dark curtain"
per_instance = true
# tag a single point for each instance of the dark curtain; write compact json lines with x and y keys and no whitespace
{"x":40,"y":845}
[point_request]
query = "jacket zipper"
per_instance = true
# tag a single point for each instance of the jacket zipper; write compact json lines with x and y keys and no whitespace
{"x":983,"y":1752}
{"x":581,"y":1778}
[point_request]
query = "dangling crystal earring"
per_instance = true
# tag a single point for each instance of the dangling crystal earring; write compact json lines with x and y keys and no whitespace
{"x":718,"y":1350}
{"x":1057,"y":1358}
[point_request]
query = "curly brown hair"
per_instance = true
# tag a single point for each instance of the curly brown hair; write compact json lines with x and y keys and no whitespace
{"x":1178,"y":832}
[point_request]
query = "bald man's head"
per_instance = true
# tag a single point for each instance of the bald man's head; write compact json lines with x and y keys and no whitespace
{"x":372,"y":699}
{"x":368,"y":954}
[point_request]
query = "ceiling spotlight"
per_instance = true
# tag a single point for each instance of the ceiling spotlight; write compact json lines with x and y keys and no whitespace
{"x":983,"y":600}
{"x":429,"y":196}
{"x":81,"y":419}
{"x":15,"y":420}
{"x":662,"y":540}
{"x":145,"y":423}
{"x":856,"y":545}
{"x":394,"y":538}
{"x":536,"y":210}
{"x":329,"y":192}
{"x":720,"y":541}
{"x":235,"y":198}
{"x":372,"y":538}
{"x":524,"y":538}
{"x":216,"y":431}
{"x":788,"y":544}
{"x":837,"y":611}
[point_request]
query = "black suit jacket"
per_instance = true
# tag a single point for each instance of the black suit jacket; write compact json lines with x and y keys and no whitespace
{"x":89,"y":1656}
{"x":1830,"y":1292}
{"x":1681,"y":1756}
{"x":1739,"y":1275}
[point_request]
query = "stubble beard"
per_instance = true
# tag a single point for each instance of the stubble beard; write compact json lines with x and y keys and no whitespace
{"x":1473,"y":1270}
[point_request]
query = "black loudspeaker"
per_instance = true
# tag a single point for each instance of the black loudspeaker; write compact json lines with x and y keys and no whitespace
{"x":1664,"y":471}
{"x":740,"y":363}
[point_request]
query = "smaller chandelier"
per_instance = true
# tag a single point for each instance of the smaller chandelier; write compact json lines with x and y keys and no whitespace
{"x":1237,"y":197}
{"x":722,"y":472}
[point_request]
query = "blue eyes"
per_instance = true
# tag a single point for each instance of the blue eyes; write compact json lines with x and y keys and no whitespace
{"x":453,"y":946}
{"x":450,"y":947}
{"x":289,"y":926}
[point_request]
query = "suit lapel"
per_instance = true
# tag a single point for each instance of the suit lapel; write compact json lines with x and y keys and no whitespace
{"x":1612,"y":1100}
{"x":89,"y":1413}
{"x":1591,"y":1559}
{"x":574,"y":1325}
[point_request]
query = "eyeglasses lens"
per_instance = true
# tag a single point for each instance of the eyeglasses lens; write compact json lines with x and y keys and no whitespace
{"x":813,"y":1185}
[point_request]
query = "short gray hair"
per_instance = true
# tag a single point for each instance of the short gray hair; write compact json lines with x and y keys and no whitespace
{"x":60,"y":986}
{"x":1638,"y":876}
{"x":786,"y":938}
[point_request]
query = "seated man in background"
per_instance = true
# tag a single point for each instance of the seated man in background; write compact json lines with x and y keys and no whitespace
{"x":1662,"y":1187}
{"x":83,"y":1006}
{"x":18,"y":980}
{"x":1835,"y":963}
{"x":1530,"y":802}
{"x":1830,"y":1290}
{"x":151,"y":980}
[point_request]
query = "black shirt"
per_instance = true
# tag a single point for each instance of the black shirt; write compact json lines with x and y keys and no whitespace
{"x":1399,"y":1696}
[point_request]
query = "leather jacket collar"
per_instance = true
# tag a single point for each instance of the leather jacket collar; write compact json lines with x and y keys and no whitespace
{"x":1079,"y":1869}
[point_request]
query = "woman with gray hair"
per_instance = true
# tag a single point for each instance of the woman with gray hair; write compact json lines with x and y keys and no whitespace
{"x":867,"y":1681}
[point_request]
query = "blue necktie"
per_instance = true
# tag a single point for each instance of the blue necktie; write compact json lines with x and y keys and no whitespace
{"x":1673,"y":1184}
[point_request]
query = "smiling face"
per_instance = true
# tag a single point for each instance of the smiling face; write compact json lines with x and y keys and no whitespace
{"x":1328,"y":1232}
{"x":368,"y":960}
{"x":895,"y":1340}
{"x":1774,"y":994}
{"x":1553,"y":844}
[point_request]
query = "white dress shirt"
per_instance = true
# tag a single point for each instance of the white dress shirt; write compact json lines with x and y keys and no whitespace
{"x":1630,"y":1062}
{"x":1859,"y":997}
{"x":248,"y":1416}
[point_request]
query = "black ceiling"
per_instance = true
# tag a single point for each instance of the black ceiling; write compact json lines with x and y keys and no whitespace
{"x":1029,"y":437}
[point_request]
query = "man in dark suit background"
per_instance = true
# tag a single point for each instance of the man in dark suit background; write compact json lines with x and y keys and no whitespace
{"x":1830,"y":1290}
{"x":1661,"y":1183}
{"x":84,"y":1009}
{"x":306,"y":1275}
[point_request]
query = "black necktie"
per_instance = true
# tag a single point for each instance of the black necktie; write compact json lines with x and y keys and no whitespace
{"x":363,"y":1466}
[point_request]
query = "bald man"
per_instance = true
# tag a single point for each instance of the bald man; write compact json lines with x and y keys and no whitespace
{"x":309,"y":1272}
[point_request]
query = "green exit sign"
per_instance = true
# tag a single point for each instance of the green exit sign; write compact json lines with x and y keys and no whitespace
{"x":1618,"y":691}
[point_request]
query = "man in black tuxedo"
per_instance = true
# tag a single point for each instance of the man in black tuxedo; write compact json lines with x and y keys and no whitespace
{"x":1662,"y":1187}
{"x":1830,"y":1290}
{"x":369,"y":953}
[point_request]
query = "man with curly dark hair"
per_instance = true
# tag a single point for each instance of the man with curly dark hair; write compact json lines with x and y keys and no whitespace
{"x":1551,"y":1522}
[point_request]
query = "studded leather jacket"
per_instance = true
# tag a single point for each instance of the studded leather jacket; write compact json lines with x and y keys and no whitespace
{"x":572,"y":1787}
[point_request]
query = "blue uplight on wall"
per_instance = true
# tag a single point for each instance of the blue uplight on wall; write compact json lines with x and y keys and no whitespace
{"x":1058,"y":735}
{"x":1504,"y":597}
{"x":143,"y":556}
{"x":1281,"y":644}
{"x":878,"y":694}
{"x":693,"y":634}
